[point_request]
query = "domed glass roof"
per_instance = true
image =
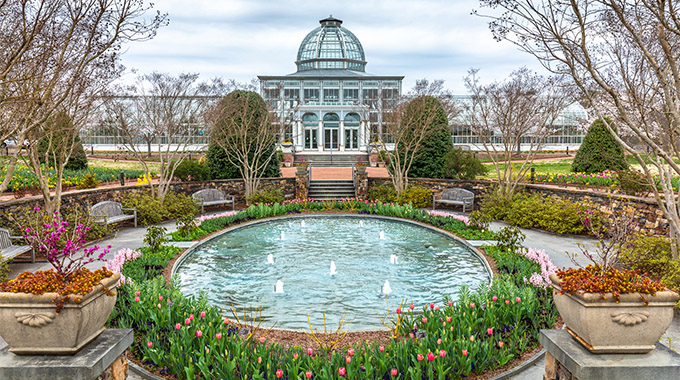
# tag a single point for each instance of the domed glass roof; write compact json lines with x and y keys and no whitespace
{"x":331,"y":46}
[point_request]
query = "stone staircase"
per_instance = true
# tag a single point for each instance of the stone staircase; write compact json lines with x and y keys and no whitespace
{"x":344,"y":159}
{"x":331,"y":188}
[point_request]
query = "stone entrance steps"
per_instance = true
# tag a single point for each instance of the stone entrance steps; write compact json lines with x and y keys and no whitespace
{"x":331,"y":188}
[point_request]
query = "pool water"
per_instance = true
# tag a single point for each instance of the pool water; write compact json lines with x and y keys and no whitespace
{"x":233,"y":270}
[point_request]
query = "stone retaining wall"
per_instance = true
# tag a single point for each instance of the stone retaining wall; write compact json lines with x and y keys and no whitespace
{"x":648,"y":217}
{"x":91,"y":196}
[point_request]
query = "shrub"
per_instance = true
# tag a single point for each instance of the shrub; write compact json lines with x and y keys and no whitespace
{"x":267,"y":195}
{"x":652,"y":255}
{"x":155,"y":237}
{"x":599,"y":151}
{"x":559,"y":215}
{"x":178,"y":205}
{"x":633,"y":183}
{"x":418,"y":196}
{"x":479,"y":220}
{"x":149,"y":209}
{"x":186,"y":225}
{"x":192,"y":170}
{"x":89,"y":182}
{"x":510,"y":238}
{"x":462,"y":165}
{"x":384,"y":193}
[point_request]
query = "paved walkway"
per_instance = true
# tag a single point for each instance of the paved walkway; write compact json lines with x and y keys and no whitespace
{"x":554,"y":245}
{"x":336,"y":173}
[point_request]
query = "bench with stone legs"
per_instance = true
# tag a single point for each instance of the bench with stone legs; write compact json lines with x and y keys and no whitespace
{"x":212,"y":197}
{"x":109,"y":212}
{"x":8,"y":250}
{"x":455,"y":197}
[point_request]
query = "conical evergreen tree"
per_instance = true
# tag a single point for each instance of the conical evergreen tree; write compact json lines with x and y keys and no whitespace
{"x":599,"y":151}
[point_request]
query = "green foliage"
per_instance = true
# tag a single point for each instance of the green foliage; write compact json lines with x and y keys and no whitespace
{"x":155,"y":237}
{"x":384,"y":193}
{"x":4,"y":269}
{"x":219,"y":165}
{"x":418,"y":196}
{"x":429,"y":161}
{"x":150,"y":264}
{"x":559,"y":215}
{"x":24,"y":178}
{"x":267,"y":195}
{"x":186,"y":225}
{"x":479,"y":220}
{"x":599,"y":151}
{"x":633,"y":183}
{"x":89,"y":181}
{"x":462,"y":165}
{"x":60,"y":128}
{"x":510,"y":238}
{"x":192,"y":170}
{"x":652,"y":255}
{"x":150,"y":210}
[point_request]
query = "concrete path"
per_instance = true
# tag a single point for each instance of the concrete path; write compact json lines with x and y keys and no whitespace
{"x":554,"y":245}
{"x":336,"y":173}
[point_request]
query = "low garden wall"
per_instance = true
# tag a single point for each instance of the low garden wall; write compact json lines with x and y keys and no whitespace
{"x":648,"y":217}
{"x":233,"y":187}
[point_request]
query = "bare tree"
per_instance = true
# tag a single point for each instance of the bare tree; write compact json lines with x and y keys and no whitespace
{"x":623,"y":57}
{"x":166,"y":110}
{"x":505,"y":115}
{"x":240,"y":124}
{"x":54,"y":54}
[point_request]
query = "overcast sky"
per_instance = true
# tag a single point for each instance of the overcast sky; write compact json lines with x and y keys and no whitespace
{"x":241,"y":39}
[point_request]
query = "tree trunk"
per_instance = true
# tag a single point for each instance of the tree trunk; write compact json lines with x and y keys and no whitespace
{"x":10,"y":172}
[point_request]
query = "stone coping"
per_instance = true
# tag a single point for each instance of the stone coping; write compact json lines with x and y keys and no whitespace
{"x":658,"y":364}
{"x":87,"y":364}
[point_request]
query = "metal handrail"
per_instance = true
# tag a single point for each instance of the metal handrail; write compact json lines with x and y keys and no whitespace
{"x":309,"y":177}
{"x":354,"y":184}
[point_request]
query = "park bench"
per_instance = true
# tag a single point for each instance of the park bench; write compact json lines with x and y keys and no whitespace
{"x":455,"y":196}
{"x":212,"y":197}
{"x":109,"y":212}
{"x":9,"y":250}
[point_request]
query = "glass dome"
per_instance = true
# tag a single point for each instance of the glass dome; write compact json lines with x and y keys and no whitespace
{"x":331,"y":46}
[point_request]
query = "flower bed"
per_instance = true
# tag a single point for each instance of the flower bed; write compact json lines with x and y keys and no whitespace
{"x":23,"y":178}
{"x":483,"y":330}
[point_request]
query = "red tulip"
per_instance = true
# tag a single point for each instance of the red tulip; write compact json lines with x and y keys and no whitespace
{"x":465,"y":352}
{"x":450,"y":303}
{"x":394,"y":372}
{"x":350,"y":351}
{"x":308,"y":374}
{"x":199,"y":333}
{"x":518,"y":300}
{"x":448,"y":319}
{"x":341,"y":371}
{"x":259,"y":359}
{"x":489,"y":331}
{"x":178,"y":326}
{"x":507,"y":302}
{"x":424,"y":319}
{"x":430,"y":356}
{"x":160,"y":298}
{"x":137,"y":293}
{"x":472,"y":305}
{"x":191,"y":316}
{"x":218,"y":336}
{"x":494,"y":298}
{"x":348,"y":359}
{"x":381,"y":348}
{"x":412,"y":307}
{"x":203,"y":314}
{"x":431,"y":305}
{"x":149,"y":344}
{"x":442,"y":353}
{"x":310,"y":352}
{"x":295,"y":355}
{"x":420,"y":357}
{"x":279,"y":373}
{"x":136,"y":299}
{"x":262,"y":339}
{"x":187,"y":321}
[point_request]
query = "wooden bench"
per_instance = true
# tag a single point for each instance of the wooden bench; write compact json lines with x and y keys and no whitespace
{"x":109,"y":212}
{"x":9,"y":250}
{"x":212,"y":197}
{"x":455,"y":196}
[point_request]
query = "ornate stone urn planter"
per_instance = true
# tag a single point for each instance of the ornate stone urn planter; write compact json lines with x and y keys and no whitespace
{"x":605,"y":326}
{"x":30,"y":325}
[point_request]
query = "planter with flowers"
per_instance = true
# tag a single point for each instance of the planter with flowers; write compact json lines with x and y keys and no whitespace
{"x":360,"y":167}
{"x":61,"y":310}
{"x":607,"y":309}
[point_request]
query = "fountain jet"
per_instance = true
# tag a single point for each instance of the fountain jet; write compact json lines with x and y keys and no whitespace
{"x":278,"y":288}
{"x":271,"y":259}
{"x":361,"y":223}
{"x":302,"y":223}
{"x":283,"y":236}
{"x":382,"y":235}
{"x":394,"y":259}
{"x":333,"y":271}
{"x":385,"y":289}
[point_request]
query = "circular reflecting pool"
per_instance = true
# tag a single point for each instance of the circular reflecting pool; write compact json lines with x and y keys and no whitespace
{"x":236,"y":269}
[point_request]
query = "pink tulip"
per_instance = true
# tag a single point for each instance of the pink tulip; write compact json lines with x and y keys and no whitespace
{"x":507,"y":302}
{"x":436,"y":307}
{"x":191,"y":316}
{"x":178,"y":326}
{"x":494,"y":298}
{"x":187,"y":321}
{"x":472,"y":305}
{"x":439,"y":341}
{"x":348,"y":359}
{"x":500,"y":344}
{"x":218,"y":336}
{"x":226,"y":321}
{"x":489,"y":331}
{"x":412,"y":307}
{"x":350,"y":351}
{"x":398,"y":311}
{"x":137,"y":293}
{"x":448,"y":319}
{"x":279,"y":373}
{"x":450,"y":303}
{"x":203,"y":314}
{"x":411,"y":335}
{"x":159,"y":306}
{"x":442,"y":353}
{"x":160,"y":298}
{"x":149,"y":344}
{"x":518,"y":300}
{"x":465,"y":352}
{"x":424,"y":319}
{"x":420,"y":357}
{"x":381,"y":348}
{"x":199,"y":333}
{"x":341,"y":371}
{"x":430,"y":356}
{"x":136,"y":299}
{"x":262,"y":339}
{"x":431,"y":305}
{"x":310,"y":352}
{"x":308,"y":374}
{"x":394,"y":372}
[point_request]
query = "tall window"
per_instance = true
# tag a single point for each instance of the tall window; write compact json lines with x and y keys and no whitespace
{"x":350,"y":94}
{"x":331,"y":95}
{"x":370,"y":95}
{"x":311,"y":94}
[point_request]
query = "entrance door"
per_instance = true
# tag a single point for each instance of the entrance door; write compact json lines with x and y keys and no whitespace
{"x":351,"y":139}
{"x":310,"y":139}
{"x":330,"y":138}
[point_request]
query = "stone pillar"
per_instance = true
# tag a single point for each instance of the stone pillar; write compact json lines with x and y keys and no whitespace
{"x":360,"y":182}
{"x":301,"y":182}
{"x":320,"y":137}
{"x":341,"y":134}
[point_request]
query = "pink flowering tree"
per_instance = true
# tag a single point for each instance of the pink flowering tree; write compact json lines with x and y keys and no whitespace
{"x":62,"y":243}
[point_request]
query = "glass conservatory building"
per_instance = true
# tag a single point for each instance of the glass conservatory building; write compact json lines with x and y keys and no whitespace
{"x":330,"y":104}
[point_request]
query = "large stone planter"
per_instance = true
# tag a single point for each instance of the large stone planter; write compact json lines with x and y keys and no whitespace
{"x":604,"y":326}
{"x":30,"y":326}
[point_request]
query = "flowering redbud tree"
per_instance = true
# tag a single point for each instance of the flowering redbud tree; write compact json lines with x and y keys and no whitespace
{"x":62,"y":244}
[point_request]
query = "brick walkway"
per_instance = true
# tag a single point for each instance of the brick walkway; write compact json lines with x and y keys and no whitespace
{"x":336,"y":173}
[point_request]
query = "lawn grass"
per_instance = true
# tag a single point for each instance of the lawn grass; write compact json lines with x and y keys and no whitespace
{"x":122,"y":165}
{"x":553,"y":167}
